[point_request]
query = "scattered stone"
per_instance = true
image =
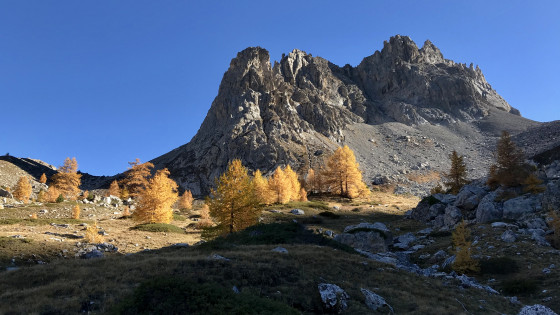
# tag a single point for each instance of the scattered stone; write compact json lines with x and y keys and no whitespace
{"x":334,"y":298}
{"x":374,"y":301}
{"x":43,"y":211}
{"x":546,"y":271}
{"x":281,"y":250}
{"x":180,"y":245}
{"x":425,"y":231}
{"x":297,"y":212}
{"x":536,"y":309}
{"x":448,"y":262}
{"x":93,"y":254}
{"x":403,"y":241}
{"x":336,"y":208}
{"x":513,"y":300}
{"x":217,"y":257}
{"x":235,"y":290}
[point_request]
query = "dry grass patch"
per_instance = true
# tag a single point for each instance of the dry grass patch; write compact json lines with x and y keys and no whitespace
{"x":422,"y":177}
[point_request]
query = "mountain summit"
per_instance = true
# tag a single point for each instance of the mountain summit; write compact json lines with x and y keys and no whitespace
{"x":297,"y":109}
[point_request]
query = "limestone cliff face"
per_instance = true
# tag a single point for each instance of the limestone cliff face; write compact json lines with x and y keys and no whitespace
{"x":293,"y":111}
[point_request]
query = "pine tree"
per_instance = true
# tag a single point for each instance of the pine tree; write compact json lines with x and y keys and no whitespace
{"x":67,"y":180}
{"x":280,"y":187}
{"x":262,"y":189}
{"x":343,"y":175}
{"x":510,"y":169}
{"x":457,"y":176}
{"x":156,"y":199}
{"x":114,"y":189}
{"x":76,"y":212}
{"x":234,"y":204}
{"x":186,"y":200}
{"x":137,"y":177}
{"x":43,"y":179}
{"x":22,"y":191}
{"x":293,"y":183}
{"x":464,"y":263}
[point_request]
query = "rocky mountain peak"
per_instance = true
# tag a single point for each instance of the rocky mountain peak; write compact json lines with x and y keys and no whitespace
{"x":400,"y":47}
{"x":430,"y":53}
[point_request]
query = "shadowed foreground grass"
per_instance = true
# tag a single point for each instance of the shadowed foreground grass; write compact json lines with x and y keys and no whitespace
{"x":264,"y":277}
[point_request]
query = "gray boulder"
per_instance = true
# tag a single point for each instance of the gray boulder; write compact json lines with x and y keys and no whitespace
{"x":297,"y":212}
{"x":369,"y":226}
{"x":452,"y":216}
{"x":436,"y":210}
{"x":551,"y":197}
{"x":470,"y":196}
{"x":508,"y":236}
{"x":403,"y":241}
{"x":488,"y":210}
{"x":334,"y":298}
{"x":536,"y":309}
{"x":519,"y":207}
{"x":445,"y":198}
{"x":93,"y":254}
{"x":371,"y":241}
{"x":280,"y":250}
{"x":374,"y":301}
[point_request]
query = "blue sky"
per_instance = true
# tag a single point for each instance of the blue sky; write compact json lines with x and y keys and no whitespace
{"x":109,"y":81}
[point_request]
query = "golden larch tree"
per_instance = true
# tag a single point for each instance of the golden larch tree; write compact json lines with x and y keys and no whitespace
{"x":310,"y":181}
{"x":67,"y":180}
{"x":457,"y":175}
{"x":186,"y":200}
{"x":156,"y":199}
{"x":205,"y":220}
{"x":293,"y":183}
{"x":137,"y":177}
{"x":22,"y":190}
{"x":464,"y":263}
{"x":234,"y":204}
{"x":76,"y":212}
{"x":302,"y":194}
{"x":280,"y":186}
{"x":51,"y":194}
{"x":343,"y":175}
{"x":532,"y":184}
{"x":114,"y":189}
{"x":43,"y":179}
{"x":41,"y":196}
{"x":262,"y":189}
{"x":510,"y":169}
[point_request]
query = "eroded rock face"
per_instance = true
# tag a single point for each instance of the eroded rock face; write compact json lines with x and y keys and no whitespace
{"x":296,"y":110}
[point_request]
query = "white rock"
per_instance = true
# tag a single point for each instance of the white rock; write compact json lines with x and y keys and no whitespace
{"x":536,"y":309}
{"x":374,"y":301}
{"x":333,"y":297}
{"x":297,"y":212}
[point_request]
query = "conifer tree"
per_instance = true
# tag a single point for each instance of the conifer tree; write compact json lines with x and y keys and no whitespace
{"x":22,"y":191}
{"x":186,"y":200}
{"x":156,"y":199}
{"x":457,"y":176}
{"x":510,"y":169}
{"x":464,"y":263}
{"x":137,"y":177}
{"x":532,"y":184}
{"x":280,"y":187}
{"x":41,"y":196}
{"x":43,"y":179}
{"x":205,"y":220}
{"x":67,"y":180}
{"x":311,"y":181}
{"x":343,"y":175}
{"x":302,"y":194}
{"x":52,"y":194}
{"x":234,"y":204}
{"x":76,"y":212}
{"x":114,"y":189}
{"x":293,"y":183}
{"x":262,"y":189}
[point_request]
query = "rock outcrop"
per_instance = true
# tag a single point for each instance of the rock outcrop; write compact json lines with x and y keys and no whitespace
{"x":295,"y":110}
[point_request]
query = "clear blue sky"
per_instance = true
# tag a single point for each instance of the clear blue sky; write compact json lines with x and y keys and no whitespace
{"x":109,"y":81}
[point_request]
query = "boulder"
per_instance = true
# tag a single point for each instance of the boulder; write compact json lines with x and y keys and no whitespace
{"x":369,"y":226}
{"x":93,"y":254}
{"x":374,"y":301}
{"x":281,"y":250}
{"x":470,"y":196}
{"x":297,"y":212}
{"x":445,"y":198}
{"x":370,"y":241}
{"x":508,"y":236}
{"x":488,"y":210}
{"x":403,"y":241}
{"x":452,"y":216}
{"x":519,"y":207}
{"x":436,"y":210}
{"x":334,"y":298}
{"x":536,"y":309}
{"x":551,"y":197}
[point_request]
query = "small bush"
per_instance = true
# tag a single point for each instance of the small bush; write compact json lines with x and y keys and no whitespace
{"x":76,"y":212}
{"x":519,"y":286}
{"x":93,"y":236}
{"x":178,"y":296}
{"x":90,"y":197}
{"x":498,"y":265}
{"x":178,"y":217}
{"x":330,"y":215}
{"x":33,"y":216}
{"x":158,"y":227}
{"x":438,"y":189}
{"x":60,"y":198}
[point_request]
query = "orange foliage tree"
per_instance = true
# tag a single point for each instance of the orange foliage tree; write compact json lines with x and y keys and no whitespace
{"x":67,"y":180}
{"x":186,"y":200}
{"x":43,"y":179}
{"x":76,"y":212}
{"x":156,"y":199}
{"x":342,"y":174}
{"x":52,"y":194}
{"x":22,"y":191}
{"x":280,"y":186}
{"x":262,"y":189}
{"x":293,"y":183}
{"x":114,"y":189}
{"x":137,"y":177}
{"x":234,"y":205}
{"x":302,"y":194}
